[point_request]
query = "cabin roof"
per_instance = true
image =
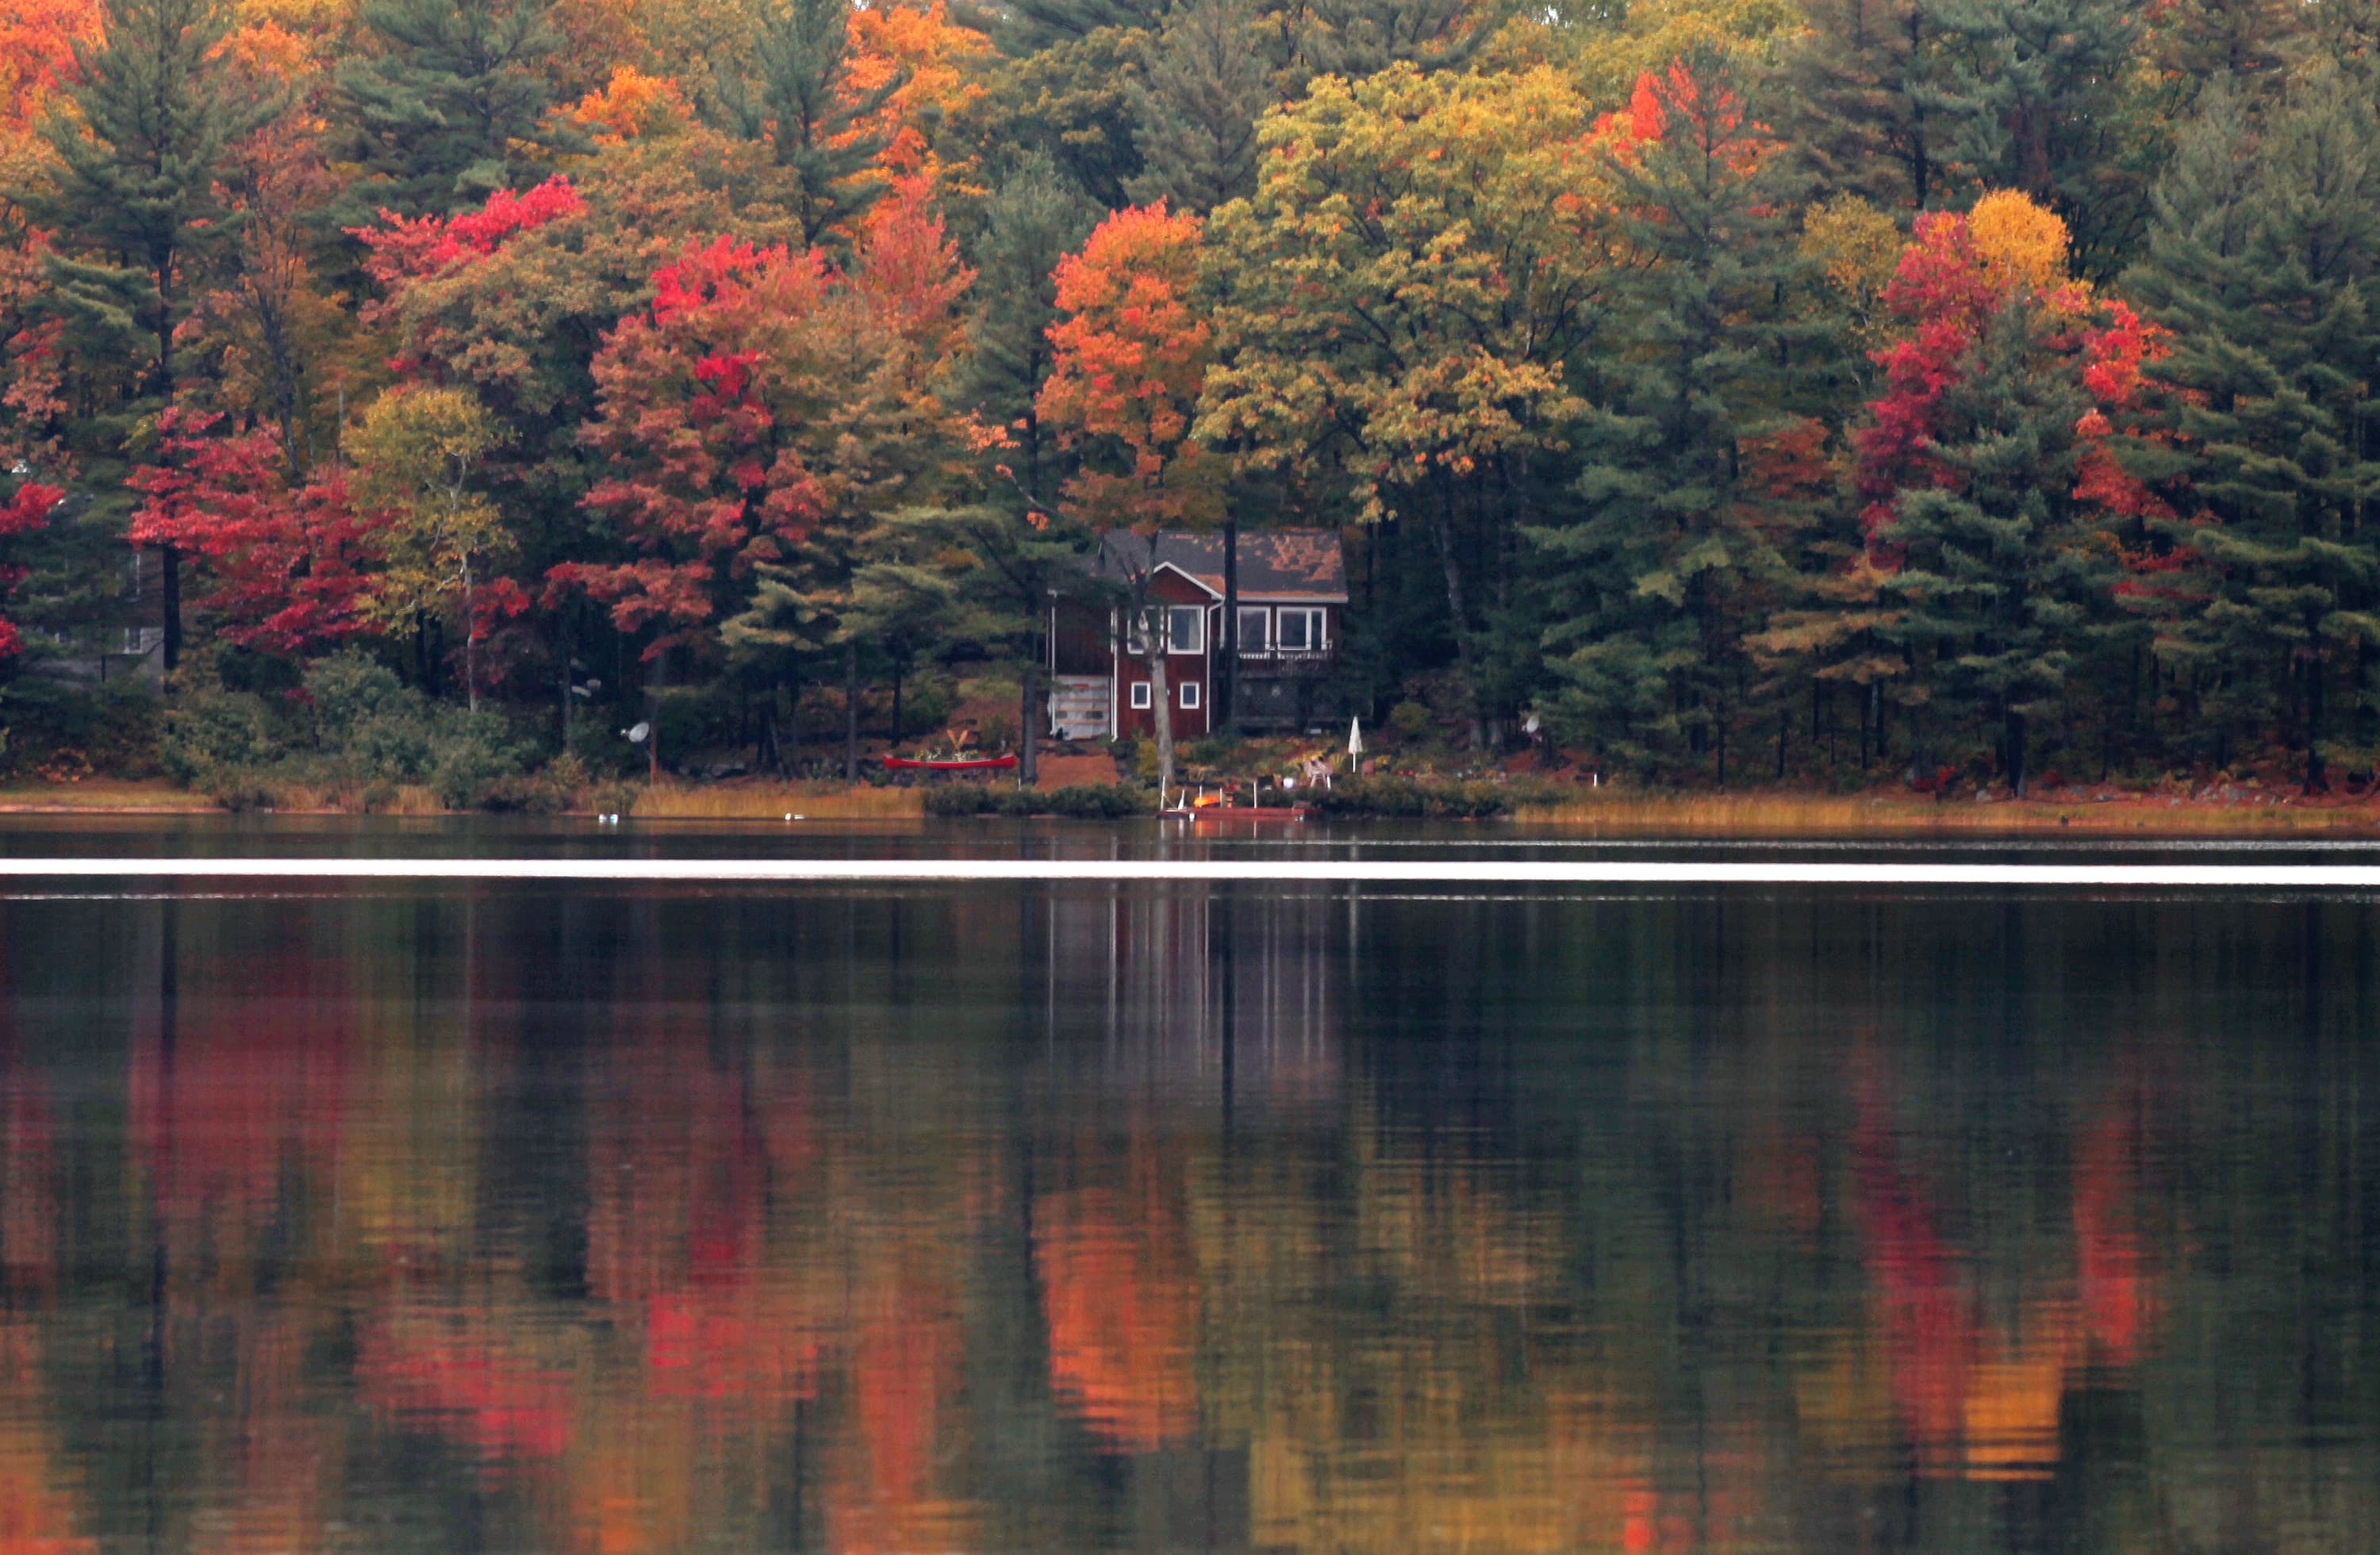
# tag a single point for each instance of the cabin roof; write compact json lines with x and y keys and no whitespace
{"x":1305,"y":566}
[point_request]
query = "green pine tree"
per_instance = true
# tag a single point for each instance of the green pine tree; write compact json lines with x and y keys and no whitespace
{"x":802,"y":107}
{"x":2005,"y":593}
{"x":2033,"y":93}
{"x":134,"y":201}
{"x":2246,"y":42}
{"x":1070,"y":102}
{"x":1650,"y":587}
{"x":2262,"y":262}
{"x":1207,"y":83}
{"x":1033,"y":25}
{"x":1035,"y":218}
{"x":1854,"y":90}
{"x":455,"y":104}
{"x":1357,"y":38}
{"x":133,"y":205}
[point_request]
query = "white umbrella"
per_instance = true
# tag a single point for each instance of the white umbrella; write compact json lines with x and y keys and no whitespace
{"x":1355,"y":739}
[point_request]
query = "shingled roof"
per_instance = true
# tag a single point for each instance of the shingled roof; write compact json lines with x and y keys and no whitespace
{"x":1276,"y":564}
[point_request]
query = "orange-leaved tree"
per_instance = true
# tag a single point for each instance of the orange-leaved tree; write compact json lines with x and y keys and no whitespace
{"x":932,"y":66}
{"x":1131,"y":347}
{"x":37,"y":52}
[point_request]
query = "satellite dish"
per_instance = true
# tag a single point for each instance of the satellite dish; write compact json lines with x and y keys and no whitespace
{"x":639,"y":733}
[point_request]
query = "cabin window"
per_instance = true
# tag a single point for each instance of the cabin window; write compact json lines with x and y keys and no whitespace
{"x":1140,"y":701}
{"x":1256,"y":629}
{"x":1189,"y":696}
{"x":1185,"y":629}
{"x":1300,"y":631}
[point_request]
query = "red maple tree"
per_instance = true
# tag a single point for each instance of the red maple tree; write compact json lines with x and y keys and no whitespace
{"x":1949,"y":284}
{"x":757,"y":414}
{"x":408,"y":248}
{"x":28,"y":509}
{"x":290,"y":561}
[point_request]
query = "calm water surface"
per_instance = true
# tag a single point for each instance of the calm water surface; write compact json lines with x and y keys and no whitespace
{"x":498,"y":1218}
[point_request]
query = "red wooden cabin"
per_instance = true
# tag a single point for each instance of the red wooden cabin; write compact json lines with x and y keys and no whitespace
{"x":1293,"y":602}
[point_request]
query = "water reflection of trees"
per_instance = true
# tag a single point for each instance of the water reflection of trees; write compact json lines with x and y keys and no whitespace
{"x":1118,"y":1220}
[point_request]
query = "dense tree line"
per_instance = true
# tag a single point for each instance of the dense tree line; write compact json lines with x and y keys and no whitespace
{"x":1727,"y":388}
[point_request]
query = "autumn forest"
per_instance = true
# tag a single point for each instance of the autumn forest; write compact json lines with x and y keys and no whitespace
{"x":1714,"y":391}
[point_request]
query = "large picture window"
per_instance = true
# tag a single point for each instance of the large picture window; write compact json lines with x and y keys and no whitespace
{"x":1256,"y":629}
{"x":1299,"y":631}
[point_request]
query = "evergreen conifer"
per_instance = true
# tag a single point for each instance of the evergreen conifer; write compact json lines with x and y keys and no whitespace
{"x":1197,"y":110}
{"x":2003,"y":594}
{"x":1673,"y":536}
{"x":1034,"y":218}
{"x":813,"y":122}
{"x":454,"y":106}
{"x":1854,"y":89}
{"x":2261,"y":262}
{"x":134,"y":202}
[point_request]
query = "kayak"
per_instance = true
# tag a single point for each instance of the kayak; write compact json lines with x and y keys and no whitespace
{"x":967,"y":764}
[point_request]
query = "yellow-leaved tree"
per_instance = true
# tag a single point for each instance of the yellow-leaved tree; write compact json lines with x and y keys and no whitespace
{"x":415,"y":453}
{"x":1403,"y":297}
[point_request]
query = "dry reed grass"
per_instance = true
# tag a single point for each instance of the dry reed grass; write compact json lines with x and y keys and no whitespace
{"x":1786,"y":815}
{"x":773,"y":801}
{"x":102,"y":795}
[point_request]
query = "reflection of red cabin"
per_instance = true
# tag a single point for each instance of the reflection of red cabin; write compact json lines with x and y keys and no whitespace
{"x":1292,"y":599}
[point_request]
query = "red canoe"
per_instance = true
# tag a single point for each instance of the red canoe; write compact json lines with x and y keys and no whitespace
{"x":972,"y":764}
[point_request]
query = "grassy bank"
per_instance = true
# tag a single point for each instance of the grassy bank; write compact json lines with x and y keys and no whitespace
{"x":101,"y":796}
{"x":1619,"y":813}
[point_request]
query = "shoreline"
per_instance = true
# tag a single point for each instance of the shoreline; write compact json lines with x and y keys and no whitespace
{"x":1875,"y":814}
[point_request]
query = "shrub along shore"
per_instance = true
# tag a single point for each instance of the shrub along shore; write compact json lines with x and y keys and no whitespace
{"x":357,"y":739}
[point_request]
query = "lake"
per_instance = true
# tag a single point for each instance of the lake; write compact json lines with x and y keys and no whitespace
{"x":488,"y":1215}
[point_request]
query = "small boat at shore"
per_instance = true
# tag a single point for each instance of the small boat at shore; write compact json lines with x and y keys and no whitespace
{"x":1226,"y":815}
{"x":1218,"y":809}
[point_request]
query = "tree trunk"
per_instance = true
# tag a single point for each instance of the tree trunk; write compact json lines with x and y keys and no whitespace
{"x":653,"y":719}
{"x":1160,"y":705}
{"x":793,"y":721}
{"x":1028,"y":754}
{"x":2015,"y":753}
{"x":1227,"y":711}
{"x":470,"y":642}
{"x":898,"y":677}
{"x":169,"y":603}
{"x":1718,"y":736}
{"x":1451,"y":565}
{"x":1031,"y":692}
{"x":2316,"y":780}
{"x":851,"y":712}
